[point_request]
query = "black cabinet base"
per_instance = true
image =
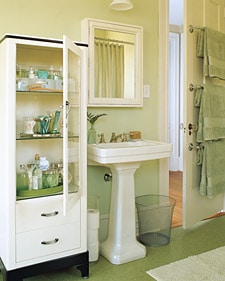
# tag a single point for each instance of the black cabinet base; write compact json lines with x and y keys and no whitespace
{"x":81,"y":261}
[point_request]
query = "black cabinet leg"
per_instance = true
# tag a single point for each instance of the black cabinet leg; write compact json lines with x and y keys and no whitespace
{"x":84,"y":268}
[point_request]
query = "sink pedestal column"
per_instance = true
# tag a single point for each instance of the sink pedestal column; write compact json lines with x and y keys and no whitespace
{"x":121,"y":246}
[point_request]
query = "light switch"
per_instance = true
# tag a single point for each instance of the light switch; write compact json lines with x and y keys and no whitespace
{"x":146,"y":93}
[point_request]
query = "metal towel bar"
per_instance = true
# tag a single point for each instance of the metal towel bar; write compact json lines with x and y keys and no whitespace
{"x":191,"y":146}
{"x":192,"y":28}
{"x":191,"y":87}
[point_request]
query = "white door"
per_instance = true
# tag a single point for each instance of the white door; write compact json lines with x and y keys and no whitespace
{"x":201,"y":13}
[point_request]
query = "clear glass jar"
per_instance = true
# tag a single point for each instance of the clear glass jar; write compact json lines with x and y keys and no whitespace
{"x":50,"y":178}
{"x":59,"y":168}
{"x":22,"y":181}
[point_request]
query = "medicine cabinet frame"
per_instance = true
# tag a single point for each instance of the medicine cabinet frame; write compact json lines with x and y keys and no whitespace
{"x":89,"y":27}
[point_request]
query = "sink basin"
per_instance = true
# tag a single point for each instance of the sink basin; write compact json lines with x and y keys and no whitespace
{"x":121,"y":152}
{"x":123,"y":159}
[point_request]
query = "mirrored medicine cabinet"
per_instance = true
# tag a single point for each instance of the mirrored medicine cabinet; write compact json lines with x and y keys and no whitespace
{"x":115,"y":56}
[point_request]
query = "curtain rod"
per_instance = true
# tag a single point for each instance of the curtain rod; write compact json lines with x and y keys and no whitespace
{"x":114,"y":40}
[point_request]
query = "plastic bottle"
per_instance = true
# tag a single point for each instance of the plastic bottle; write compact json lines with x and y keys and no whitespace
{"x":31,"y":73}
{"x":44,"y":163}
{"x":22,"y":181}
{"x":37,"y":174}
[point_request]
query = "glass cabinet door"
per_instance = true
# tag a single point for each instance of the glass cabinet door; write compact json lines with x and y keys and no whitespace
{"x":38,"y":115}
{"x":71,"y":123}
{"x":50,"y":116}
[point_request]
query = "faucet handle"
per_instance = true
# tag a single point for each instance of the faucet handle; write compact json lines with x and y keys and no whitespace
{"x":124,"y":137}
{"x":102,"y":138}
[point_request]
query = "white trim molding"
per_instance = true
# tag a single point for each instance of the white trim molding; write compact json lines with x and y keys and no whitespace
{"x":163,"y":91}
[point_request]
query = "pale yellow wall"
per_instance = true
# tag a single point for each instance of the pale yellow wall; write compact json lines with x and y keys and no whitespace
{"x":53,"y":18}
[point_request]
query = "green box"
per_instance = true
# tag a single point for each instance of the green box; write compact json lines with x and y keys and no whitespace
{"x":42,"y":74}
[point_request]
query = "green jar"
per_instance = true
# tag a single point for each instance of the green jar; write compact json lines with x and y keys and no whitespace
{"x":50,"y":178}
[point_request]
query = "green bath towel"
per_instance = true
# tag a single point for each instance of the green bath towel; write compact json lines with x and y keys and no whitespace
{"x":211,"y":122}
{"x":213,"y":169}
{"x":211,"y":47}
{"x":198,"y":97}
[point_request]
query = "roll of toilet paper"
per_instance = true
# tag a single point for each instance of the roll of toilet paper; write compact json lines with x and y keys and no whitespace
{"x":92,"y":237}
{"x":93,"y":219}
{"x":93,"y":252}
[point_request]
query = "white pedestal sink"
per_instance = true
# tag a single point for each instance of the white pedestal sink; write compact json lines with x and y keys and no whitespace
{"x":124,"y":159}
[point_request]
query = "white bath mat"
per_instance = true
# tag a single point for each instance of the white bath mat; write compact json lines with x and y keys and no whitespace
{"x":208,"y":266}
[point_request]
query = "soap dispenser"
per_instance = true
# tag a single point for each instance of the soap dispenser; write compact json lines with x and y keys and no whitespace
{"x":31,"y":73}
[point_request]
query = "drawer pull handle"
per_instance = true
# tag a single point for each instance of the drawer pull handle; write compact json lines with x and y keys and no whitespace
{"x":50,"y":214}
{"x":50,"y":242}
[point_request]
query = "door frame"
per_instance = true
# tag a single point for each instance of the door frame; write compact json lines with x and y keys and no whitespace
{"x":175,"y":104}
{"x":163,"y":91}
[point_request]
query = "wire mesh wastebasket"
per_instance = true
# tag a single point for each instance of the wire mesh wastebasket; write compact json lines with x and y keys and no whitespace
{"x":155,"y":214}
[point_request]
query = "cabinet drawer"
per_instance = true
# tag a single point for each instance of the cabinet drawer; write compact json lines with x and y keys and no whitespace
{"x":43,"y":212}
{"x":34,"y":244}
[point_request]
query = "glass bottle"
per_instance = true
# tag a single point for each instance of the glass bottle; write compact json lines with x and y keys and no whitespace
{"x":30,"y":168}
{"x":37,"y":174}
{"x":51,"y":72}
{"x":22,"y":181}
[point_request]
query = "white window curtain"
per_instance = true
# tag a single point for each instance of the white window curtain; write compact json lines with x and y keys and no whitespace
{"x":109,"y":70}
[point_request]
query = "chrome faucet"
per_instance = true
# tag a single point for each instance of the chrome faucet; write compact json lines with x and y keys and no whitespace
{"x":113,"y":138}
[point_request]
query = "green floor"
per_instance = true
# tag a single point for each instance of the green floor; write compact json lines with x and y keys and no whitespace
{"x":204,"y":236}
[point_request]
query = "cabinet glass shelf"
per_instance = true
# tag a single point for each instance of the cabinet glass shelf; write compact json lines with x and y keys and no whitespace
{"x":37,"y":136}
{"x":40,"y":91}
{"x":42,"y":136}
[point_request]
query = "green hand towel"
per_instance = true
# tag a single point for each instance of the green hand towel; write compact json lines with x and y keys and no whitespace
{"x":213,"y":169}
{"x":211,"y":46}
{"x":211,"y":121}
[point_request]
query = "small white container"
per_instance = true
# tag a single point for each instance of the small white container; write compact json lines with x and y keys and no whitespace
{"x":44,"y":163}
